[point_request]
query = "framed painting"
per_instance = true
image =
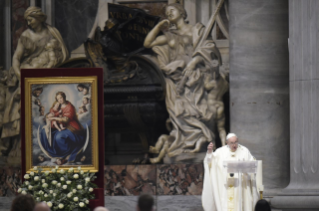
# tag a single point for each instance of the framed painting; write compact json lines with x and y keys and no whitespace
{"x":61,"y":124}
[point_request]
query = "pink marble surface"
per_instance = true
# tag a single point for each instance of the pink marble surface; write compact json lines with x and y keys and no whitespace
{"x":180,"y":179}
{"x":129,"y":180}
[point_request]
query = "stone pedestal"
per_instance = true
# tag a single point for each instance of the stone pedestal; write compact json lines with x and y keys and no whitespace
{"x":302,"y":192}
{"x":259,"y":85}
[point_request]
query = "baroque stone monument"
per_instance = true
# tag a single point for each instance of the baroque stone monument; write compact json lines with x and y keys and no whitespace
{"x":40,"y":46}
{"x":195,"y":83}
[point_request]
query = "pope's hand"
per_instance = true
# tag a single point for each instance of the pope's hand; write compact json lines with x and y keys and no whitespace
{"x":210,"y":148}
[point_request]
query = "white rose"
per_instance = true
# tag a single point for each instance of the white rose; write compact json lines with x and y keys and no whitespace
{"x":81,"y":204}
{"x":68,"y":182}
{"x":79,"y":168}
{"x":45,"y":185}
{"x":59,"y":185}
{"x":26,"y":183}
{"x":53,"y":170}
{"x":47,"y":173}
{"x":26,"y":176}
{"x":41,"y":192}
{"x":30,"y":187}
{"x":19,"y":190}
{"x":87,"y":202}
{"x":36,"y":178}
{"x":74,"y":191}
{"x":87,"y":179}
{"x":75,"y":199}
{"x":35,"y":168}
{"x":54,"y":182}
{"x":81,"y":172}
{"x":54,"y":194}
{"x":45,"y":195}
{"x":79,"y":187}
{"x":75,"y":176}
{"x":43,"y":180}
{"x":71,"y":169}
{"x":91,"y":189}
{"x":62,"y":179}
{"x":61,"y":206}
{"x":32,"y":173}
{"x":62,"y":171}
{"x":51,"y":191}
{"x":56,"y":167}
{"x":24,"y":192}
{"x":64,"y":186}
{"x":38,"y":199}
{"x":69,"y":195}
{"x":49,"y":204}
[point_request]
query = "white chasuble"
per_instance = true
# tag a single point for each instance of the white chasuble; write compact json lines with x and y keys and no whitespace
{"x":220,"y":189}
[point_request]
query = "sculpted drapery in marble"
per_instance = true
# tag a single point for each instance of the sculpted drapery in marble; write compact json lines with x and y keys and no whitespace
{"x":179,"y":56}
{"x":40,"y":46}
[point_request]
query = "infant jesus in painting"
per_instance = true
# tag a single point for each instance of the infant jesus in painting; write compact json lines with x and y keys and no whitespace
{"x":55,"y":111}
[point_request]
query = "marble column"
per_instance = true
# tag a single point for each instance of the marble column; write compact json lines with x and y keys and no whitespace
{"x":259,"y":85}
{"x":302,"y":192}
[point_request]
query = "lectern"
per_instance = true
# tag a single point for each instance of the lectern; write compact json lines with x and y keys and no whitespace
{"x":239,"y":168}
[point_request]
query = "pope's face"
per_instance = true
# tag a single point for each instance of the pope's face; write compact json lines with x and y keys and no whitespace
{"x":233,"y":143}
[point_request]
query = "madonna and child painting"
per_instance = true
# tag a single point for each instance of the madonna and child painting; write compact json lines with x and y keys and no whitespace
{"x":61,"y":124}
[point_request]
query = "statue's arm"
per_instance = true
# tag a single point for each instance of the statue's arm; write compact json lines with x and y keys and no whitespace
{"x":152,"y":40}
{"x":17,"y":58}
{"x":209,"y":84}
{"x":52,"y":60}
{"x":191,"y":66}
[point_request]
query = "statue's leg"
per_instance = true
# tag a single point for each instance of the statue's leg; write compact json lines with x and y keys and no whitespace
{"x":198,"y":145}
{"x":161,"y":154}
{"x":159,"y":144}
{"x":221,"y":124}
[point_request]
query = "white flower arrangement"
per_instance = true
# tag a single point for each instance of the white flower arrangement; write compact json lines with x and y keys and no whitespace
{"x":73,"y":190}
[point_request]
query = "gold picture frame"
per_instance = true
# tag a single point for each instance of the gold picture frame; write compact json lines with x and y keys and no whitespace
{"x":61,"y":132}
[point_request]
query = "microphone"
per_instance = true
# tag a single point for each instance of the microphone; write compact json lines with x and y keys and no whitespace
{"x":231,"y":174}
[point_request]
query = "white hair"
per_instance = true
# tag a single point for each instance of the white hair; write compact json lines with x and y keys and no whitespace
{"x":101,"y":209}
{"x":230,"y":135}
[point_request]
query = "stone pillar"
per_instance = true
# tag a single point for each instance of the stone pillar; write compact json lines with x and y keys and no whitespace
{"x":259,"y":85}
{"x":302,"y":192}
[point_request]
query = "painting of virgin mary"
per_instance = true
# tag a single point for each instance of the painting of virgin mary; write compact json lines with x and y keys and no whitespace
{"x":62,"y":135}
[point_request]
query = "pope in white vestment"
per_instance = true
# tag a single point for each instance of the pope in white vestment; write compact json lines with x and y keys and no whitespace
{"x":220,"y":189}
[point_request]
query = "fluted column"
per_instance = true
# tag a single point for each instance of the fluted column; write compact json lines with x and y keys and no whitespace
{"x":259,"y":85}
{"x":303,"y":190}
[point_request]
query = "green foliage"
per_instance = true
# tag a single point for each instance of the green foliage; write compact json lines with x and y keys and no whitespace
{"x":61,"y":189}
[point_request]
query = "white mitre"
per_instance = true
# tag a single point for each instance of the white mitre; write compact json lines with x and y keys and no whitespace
{"x":230,"y":135}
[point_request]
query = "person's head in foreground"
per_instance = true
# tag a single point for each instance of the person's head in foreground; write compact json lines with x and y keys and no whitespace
{"x":145,"y":203}
{"x":100,"y":209}
{"x":262,"y":205}
{"x":23,"y":203}
{"x":232,"y":141}
{"x":41,"y":207}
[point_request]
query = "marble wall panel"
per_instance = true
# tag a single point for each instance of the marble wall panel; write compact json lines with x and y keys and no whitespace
{"x":5,"y":203}
{"x":75,"y":19}
{"x":179,"y":203}
{"x":2,"y":35}
{"x":180,"y":179}
{"x":10,"y":181}
{"x":18,"y":23}
{"x":120,"y":203}
{"x":129,"y":180}
{"x":259,"y":85}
